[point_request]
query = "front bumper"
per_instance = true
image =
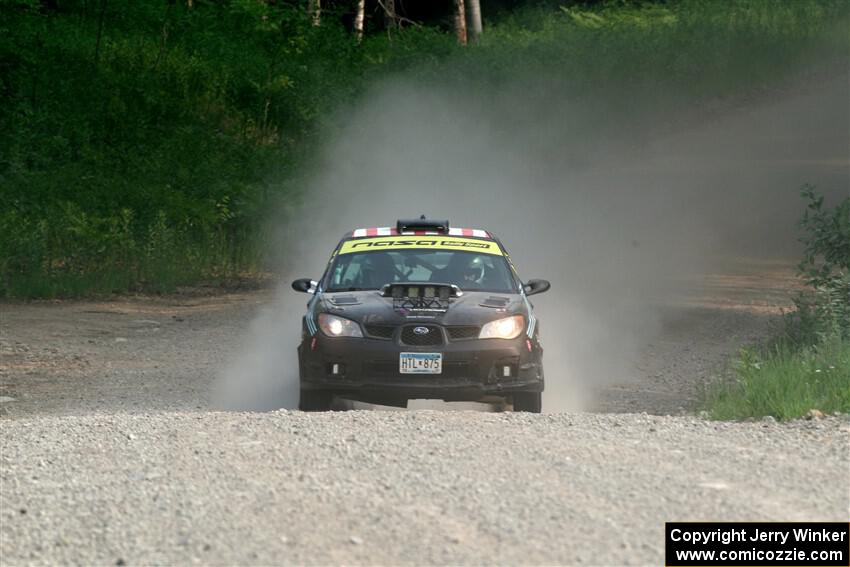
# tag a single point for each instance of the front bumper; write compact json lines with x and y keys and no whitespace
{"x":368,"y":369}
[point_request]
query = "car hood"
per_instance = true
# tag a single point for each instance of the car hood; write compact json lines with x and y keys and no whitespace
{"x":472,"y":308}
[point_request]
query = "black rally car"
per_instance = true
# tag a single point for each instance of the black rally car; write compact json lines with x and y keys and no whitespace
{"x":420,"y":311}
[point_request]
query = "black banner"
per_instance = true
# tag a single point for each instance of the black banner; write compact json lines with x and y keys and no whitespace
{"x":742,"y":544}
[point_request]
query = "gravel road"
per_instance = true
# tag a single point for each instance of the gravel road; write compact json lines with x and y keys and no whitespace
{"x":111,"y":451}
{"x":398,"y":487}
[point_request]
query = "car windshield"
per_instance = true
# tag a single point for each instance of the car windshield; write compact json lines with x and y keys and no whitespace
{"x":468,"y":270}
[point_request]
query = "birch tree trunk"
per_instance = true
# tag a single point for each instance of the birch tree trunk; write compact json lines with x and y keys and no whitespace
{"x":358,"y":19}
{"x":460,"y":22}
{"x":390,"y":19}
{"x":475,"y":19}
{"x":314,"y":8}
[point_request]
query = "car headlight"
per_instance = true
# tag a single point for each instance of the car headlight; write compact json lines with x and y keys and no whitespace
{"x":334,"y":326}
{"x":507,"y":328}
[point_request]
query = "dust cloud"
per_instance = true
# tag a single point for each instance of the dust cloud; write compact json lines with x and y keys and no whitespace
{"x":618,"y":211}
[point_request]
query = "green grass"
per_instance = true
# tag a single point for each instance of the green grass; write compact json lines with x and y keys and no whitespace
{"x":785,"y":382}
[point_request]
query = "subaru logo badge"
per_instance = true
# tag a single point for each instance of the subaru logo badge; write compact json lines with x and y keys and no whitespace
{"x":421,"y":330}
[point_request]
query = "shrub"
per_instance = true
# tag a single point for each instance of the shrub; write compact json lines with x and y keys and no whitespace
{"x":824,"y":310}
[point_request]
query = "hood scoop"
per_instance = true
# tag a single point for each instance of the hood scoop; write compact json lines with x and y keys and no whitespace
{"x":344,"y":300}
{"x":495,"y":302}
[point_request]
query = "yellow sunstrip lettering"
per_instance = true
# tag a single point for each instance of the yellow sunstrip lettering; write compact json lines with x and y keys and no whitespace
{"x":430,"y":242}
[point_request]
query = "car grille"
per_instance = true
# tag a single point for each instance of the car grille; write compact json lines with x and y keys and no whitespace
{"x":380,"y":331}
{"x":387,"y":370}
{"x":433,"y":337}
{"x":460,"y":333}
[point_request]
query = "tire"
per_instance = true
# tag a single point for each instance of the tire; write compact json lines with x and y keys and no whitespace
{"x":315,"y":400}
{"x":530,"y":402}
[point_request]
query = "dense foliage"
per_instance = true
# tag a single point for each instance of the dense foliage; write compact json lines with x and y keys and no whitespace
{"x":140,"y":154}
{"x":824,"y":311}
{"x":143,"y":141}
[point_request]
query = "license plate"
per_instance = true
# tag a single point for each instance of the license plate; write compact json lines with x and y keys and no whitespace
{"x":420,"y":363}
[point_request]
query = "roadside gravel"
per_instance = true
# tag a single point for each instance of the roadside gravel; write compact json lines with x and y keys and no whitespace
{"x":398,"y":487}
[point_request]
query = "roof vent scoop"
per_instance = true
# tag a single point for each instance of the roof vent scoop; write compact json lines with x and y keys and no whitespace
{"x":430,"y":225}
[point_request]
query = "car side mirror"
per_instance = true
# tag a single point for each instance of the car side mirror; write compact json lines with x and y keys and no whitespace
{"x":532,"y":287}
{"x":305,"y":285}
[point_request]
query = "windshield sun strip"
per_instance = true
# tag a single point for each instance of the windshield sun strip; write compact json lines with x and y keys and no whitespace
{"x":421,"y":242}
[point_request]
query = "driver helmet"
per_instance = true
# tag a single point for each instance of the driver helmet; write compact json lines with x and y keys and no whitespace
{"x":472,"y":271}
{"x":379,"y":269}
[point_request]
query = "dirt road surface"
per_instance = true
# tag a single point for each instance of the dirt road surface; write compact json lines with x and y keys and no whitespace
{"x":112,"y":452}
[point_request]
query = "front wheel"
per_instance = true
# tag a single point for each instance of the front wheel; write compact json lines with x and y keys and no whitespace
{"x":531,"y":402}
{"x":315,"y":400}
